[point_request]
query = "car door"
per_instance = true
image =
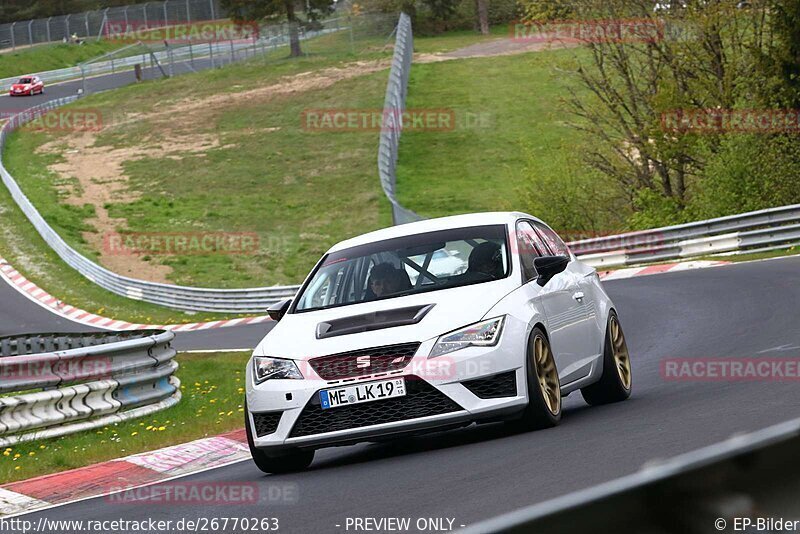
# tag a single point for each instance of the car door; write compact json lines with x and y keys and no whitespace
{"x":566,"y":318}
{"x":583,"y":276}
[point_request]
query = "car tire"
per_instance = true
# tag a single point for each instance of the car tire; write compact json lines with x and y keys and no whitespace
{"x":283,"y":462}
{"x":544,"y":389}
{"x":616,"y":382}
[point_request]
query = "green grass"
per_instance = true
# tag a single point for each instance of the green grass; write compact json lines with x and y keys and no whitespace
{"x":213,"y":396}
{"x":52,"y":56}
{"x":736,"y":258}
{"x":509,"y":126}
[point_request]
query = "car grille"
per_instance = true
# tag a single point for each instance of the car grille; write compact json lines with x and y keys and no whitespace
{"x":381,"y":360}
{"x":266,"y":423}
{"x":421,"y":400}
{"x":502,"y":385}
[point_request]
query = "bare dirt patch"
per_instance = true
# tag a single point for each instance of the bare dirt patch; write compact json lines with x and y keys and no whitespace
{"x":98,"y":179}
{"x":495,"y":47}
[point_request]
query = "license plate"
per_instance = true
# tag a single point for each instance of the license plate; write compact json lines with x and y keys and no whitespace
{"x":358,"y":393}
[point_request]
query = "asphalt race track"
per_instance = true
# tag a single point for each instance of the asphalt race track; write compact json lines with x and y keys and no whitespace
{"x":20,"y":315}
{"x":741,"y":310}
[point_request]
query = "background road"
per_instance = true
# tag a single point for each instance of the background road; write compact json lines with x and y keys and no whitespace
{"x":9,"y":104}
{"x":20,"y":315}
{"x":740,"y":310}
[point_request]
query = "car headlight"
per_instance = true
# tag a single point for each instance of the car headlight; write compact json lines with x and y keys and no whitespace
{"x":482,"y":334}
{"x":266,"y":368}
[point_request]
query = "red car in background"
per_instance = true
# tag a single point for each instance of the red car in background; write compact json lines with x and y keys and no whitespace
{"x":27,"y":85}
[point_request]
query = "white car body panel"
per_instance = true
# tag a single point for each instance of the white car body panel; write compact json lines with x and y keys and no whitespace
{"x":576,"y":328}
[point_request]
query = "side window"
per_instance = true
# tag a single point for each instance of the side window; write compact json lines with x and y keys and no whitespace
{"x":554,"y":243}
{"x":530,"y":247}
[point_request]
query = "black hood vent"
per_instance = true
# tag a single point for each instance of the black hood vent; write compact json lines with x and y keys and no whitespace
{"x":373,"y":321}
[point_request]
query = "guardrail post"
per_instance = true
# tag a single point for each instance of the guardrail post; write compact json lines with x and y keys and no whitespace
{"x":211,"y":54}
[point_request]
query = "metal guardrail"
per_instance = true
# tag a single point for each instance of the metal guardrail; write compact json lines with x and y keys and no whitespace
{"x":717,"y":488}
{"x":768,"y":228}
{"x":393,"y":107}
{"x":68,"y":383}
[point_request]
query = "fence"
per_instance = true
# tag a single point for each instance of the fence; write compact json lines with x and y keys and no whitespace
{"x":92,"y":24}
{"x":74,"y":382}
{"x":160,"y":60}
{"x":393,"y":108}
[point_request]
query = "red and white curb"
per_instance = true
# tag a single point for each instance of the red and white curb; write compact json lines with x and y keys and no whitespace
{"x":44,"y":299}
{"x":630,"y":272}
{"x":124,"y":474}
{"x":51,"y":303}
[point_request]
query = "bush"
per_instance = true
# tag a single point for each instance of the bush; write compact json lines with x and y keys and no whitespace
{"x":750,"y":172}
{"x":546,"y":10}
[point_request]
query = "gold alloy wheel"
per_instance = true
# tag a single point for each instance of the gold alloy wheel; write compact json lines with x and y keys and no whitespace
{"x":547,"y":374}
{"x":622,"y":359}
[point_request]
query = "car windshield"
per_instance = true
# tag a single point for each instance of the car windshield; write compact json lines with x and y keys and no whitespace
{"x":26,"y":80}
{"x":407,"y":265}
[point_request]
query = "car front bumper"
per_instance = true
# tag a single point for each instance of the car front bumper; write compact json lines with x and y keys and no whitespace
{"x":441,"y":393}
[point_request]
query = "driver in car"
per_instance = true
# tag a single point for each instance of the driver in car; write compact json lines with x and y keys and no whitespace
{"x":485,"y":260}
{"x":385,"y":279}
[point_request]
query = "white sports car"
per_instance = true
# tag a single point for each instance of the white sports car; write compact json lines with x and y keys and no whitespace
{"x":363,"y":353}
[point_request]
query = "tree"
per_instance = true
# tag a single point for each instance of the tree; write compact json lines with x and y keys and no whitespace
{"x":248,"y":11}
{"x":482,"y":16}
{"x":696,"y":56}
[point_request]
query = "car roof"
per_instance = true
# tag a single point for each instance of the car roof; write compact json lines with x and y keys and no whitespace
{"x":432,"y":225}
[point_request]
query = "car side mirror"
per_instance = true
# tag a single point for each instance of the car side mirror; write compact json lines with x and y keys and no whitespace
{"x":548,"y":267}
{"x":279,"y":309}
